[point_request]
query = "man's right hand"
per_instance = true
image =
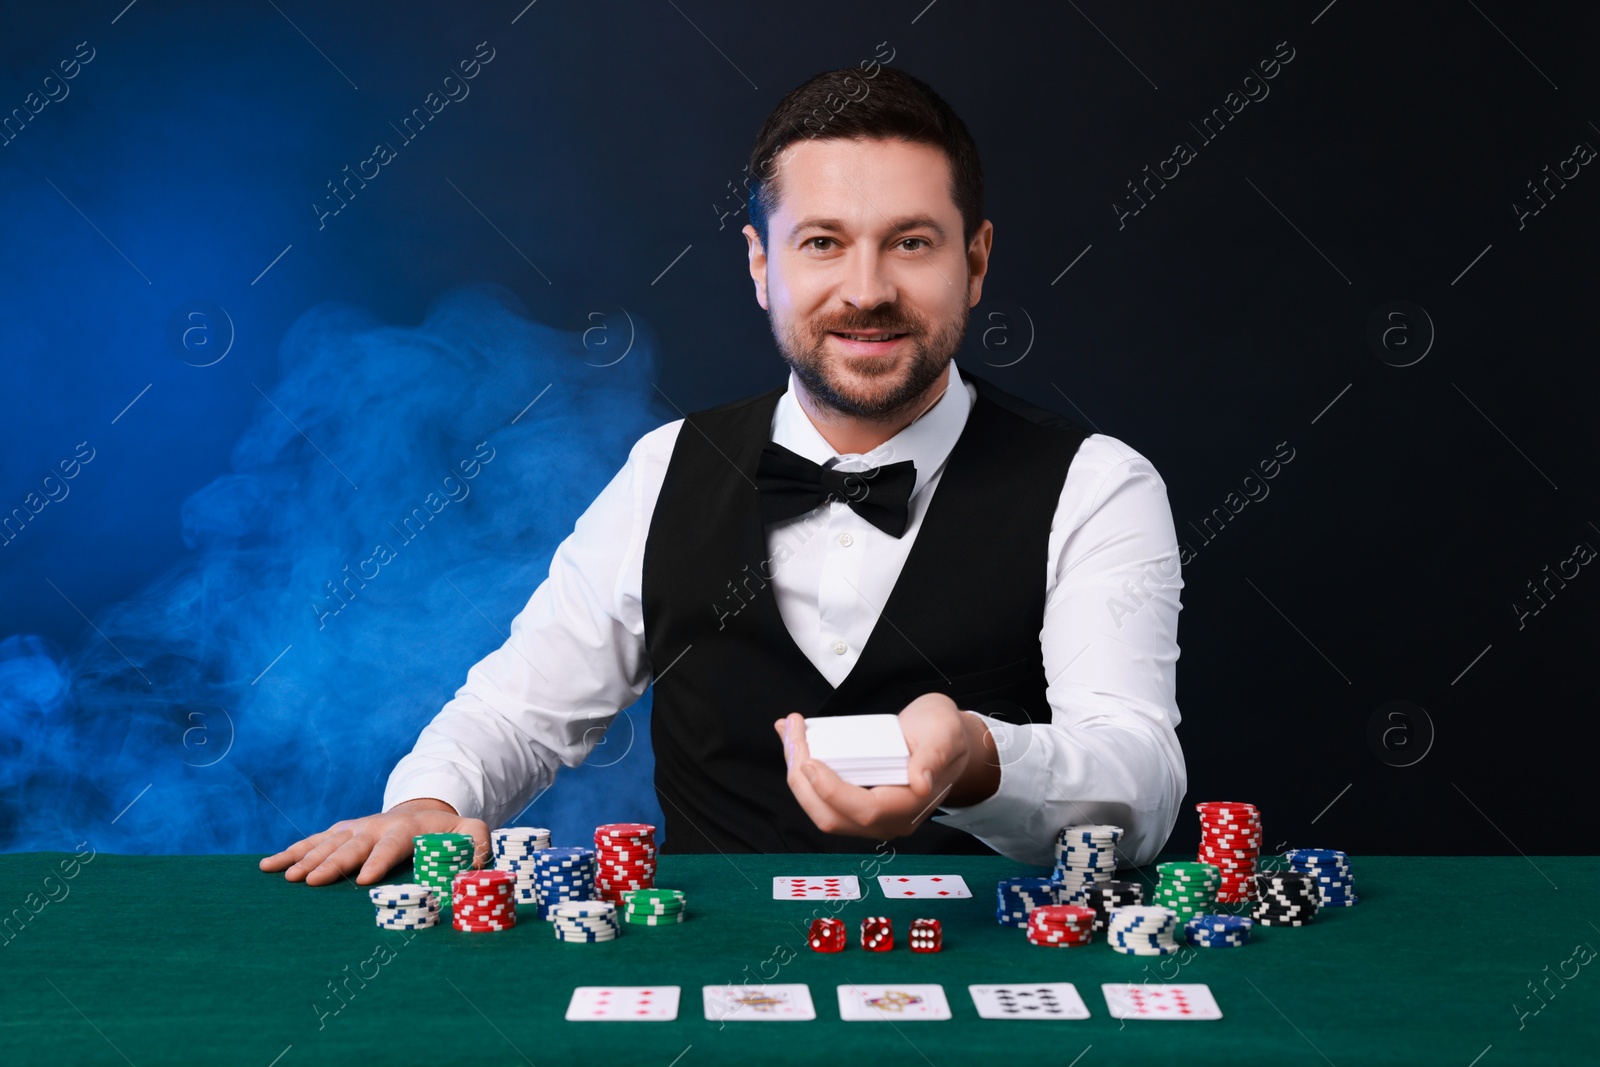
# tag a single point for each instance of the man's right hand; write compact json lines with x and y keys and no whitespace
{"x":374,"y":844}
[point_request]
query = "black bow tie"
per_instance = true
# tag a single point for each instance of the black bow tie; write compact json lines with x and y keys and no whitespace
{"x":792,"y":485}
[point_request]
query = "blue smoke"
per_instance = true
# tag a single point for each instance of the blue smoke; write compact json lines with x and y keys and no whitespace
{"x":256,"y":690}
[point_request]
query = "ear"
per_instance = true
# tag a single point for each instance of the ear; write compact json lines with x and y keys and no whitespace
{"x":978,"y":261}
{"x":758,"y":265}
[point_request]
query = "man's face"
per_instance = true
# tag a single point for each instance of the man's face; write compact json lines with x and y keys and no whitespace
{"x":866,"y":242}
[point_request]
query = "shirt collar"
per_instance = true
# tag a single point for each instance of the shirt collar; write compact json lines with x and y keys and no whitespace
{"x":926,"y":442}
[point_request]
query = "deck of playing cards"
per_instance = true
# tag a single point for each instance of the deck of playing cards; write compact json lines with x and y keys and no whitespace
{"x":864,"y":750}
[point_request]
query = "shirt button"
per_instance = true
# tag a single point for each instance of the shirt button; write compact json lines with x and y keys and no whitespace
{"x":846,"y":540}
{"x":840,"y":648}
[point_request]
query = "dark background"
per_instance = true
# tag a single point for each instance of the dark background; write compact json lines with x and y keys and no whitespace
{"x":584,"y":201}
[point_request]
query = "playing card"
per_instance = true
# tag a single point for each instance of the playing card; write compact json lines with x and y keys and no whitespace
{"x":923,"y":885}
{"x":623,"y":1003}
{"x":758,"y":1003}
{"x":1037,"y":1000}
{"x":1156,"y":1000}
{"x":897,"y":1003}
{"x":817,"y":887}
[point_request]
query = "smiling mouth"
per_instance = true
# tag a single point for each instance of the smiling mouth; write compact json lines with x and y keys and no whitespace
{"x":869,"y":338}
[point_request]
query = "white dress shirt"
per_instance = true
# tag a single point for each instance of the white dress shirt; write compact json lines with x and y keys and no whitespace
{"x":576,"y":652}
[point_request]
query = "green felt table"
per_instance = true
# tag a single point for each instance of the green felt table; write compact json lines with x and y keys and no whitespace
{"x":173,"y":959}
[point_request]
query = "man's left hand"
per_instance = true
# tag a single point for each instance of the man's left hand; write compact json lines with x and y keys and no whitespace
{"x":952,"y":761}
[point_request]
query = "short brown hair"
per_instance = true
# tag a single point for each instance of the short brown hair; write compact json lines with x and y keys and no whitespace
{"x":847,"y":104}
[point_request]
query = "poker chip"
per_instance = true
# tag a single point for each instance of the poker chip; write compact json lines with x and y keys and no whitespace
{"x":585,"y":921}
{"x":1085,"y":854}
{"x":1218,"y":931}
{"x":402,"y":894}
{"x":405,"y":906}
{"x":1061,"y":925}
{"x":1230,"y":840}
{"x":827,"y":935}
{"x":1189,"y":889}
{"x":482,"y":901}
{"x":625,"y":859}
{"x":1141,"y":930}
{"x":1016,"y":897}
{"x":438,"y":858}
{"x":1331,"y":869}
{"x":561,"y":875}
{"x":877,"y":934}
{"x":927,"y":935}
{"x":1103,"y":896}
{"x":1285,"y":898}
{"x":654,"y":907}
{"x":514,"y":848}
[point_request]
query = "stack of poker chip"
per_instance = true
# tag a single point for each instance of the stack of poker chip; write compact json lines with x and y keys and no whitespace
{"x":653,"y":907}
{"x":482,"y":901}
{"x":1061,"y":925}
{"x":1016,"y":897}
{"x":1085,"y":855}
{"x":1104,"y":896}
{"x":406,"y":906}
{"x":585,"y":920}
{"x":1136,"y":930}
{"x":1218,"y":931}
{"x":438,"y":858}
{"x":1189,"y":889}
{"x":1285,"y":898}
{"x":1230,"y":840}
{"x":625,"y":858}
{"x":514,"y":849}
{"x":1331,"y":869}
{"x":560,"y":875}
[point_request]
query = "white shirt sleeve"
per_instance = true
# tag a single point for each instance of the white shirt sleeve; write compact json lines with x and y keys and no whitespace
{"x":1110,"y":753}
{"x":575,"y":656}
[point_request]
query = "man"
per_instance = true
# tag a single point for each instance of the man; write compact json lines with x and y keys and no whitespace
{"x":886,"y":534}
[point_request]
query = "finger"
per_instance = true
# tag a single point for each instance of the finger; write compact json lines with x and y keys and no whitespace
{"x":822,"y":815}
{"x":937,"y":747}
{"x":794,"y":733}
{"x":296,"y":852}
{"x":480,"y":839}
{"x":323,"y":845}
{"x":347,"y":858}
{"x":866,"y":808}
{"x":395,"y":845}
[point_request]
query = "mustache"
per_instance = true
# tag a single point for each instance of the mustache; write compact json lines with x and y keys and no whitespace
{"x":864,"y":327}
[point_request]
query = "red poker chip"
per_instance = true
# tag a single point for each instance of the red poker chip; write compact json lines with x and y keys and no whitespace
{"x":487,"y":876}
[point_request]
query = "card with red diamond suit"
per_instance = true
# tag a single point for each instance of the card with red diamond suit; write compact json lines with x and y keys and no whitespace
{"x":623,"y":1003}
{"x":817,"y":887}
{"x":948,"y":886}
{"x":1157,"y":1000}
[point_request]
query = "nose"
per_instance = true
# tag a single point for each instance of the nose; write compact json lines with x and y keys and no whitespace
{"x":867,"y":284}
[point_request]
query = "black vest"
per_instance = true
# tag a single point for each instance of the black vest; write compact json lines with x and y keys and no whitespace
{"x":963,"y":619}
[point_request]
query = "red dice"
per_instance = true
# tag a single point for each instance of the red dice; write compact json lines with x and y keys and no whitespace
{"x":926,"y":935}
{"x":827,"y":935}
{"x":877,"y":934}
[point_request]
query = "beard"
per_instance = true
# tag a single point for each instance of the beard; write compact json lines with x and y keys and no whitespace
{"x":893,"y":386}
